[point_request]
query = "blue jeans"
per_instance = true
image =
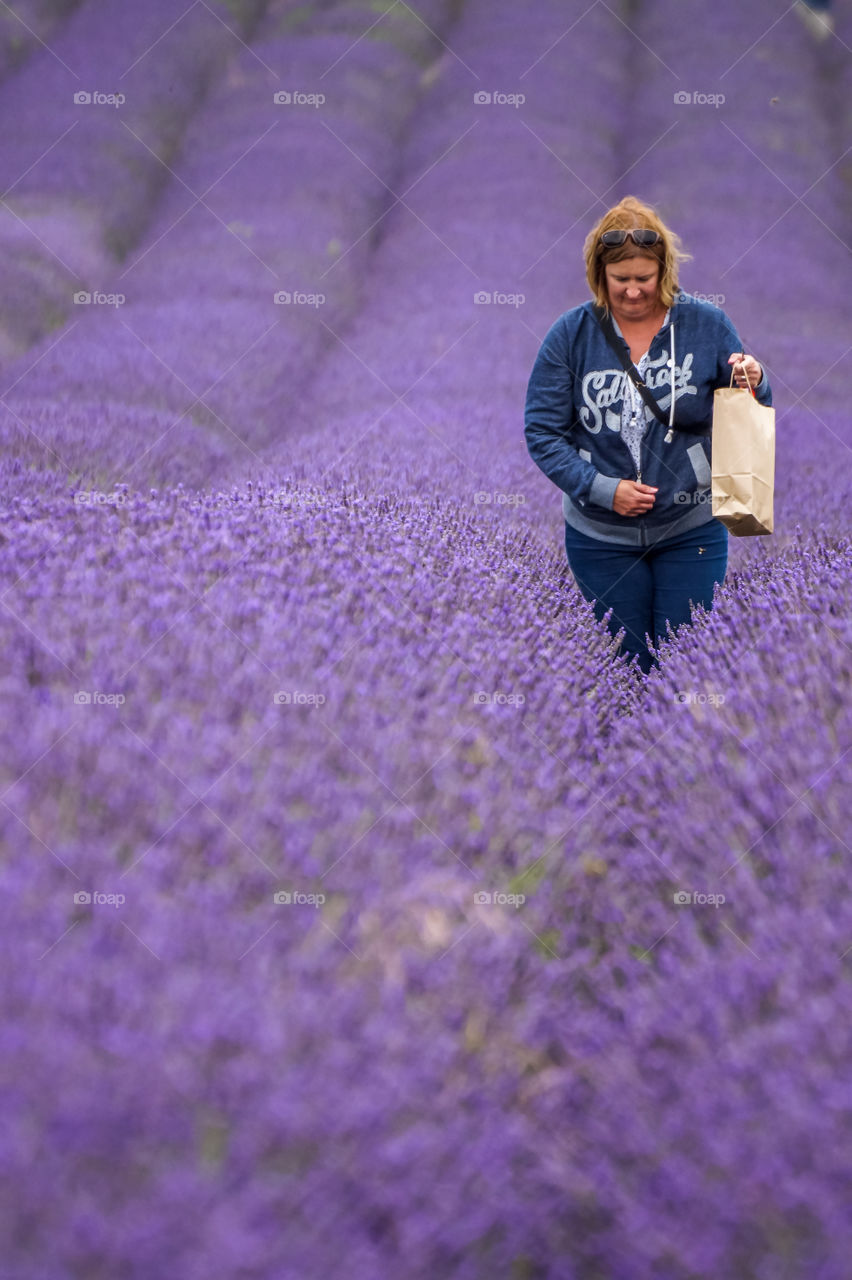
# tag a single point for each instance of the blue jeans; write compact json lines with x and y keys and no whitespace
{"x":646,"y":587}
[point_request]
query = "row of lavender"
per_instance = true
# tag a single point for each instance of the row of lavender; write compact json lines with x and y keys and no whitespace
{"x":756,"y":184}
{"x":361,"y":1065}
{"x":214,"y":328}
{"x":249,"y":353}
{"x":379,"y":791}
{"x":738,"y":155}
{"x":260,"y":769}
{"x":428,"y":379}
{"x":729,"y":1092}
{"x":766,"y":887}
{"x":249,"y":891}
{"x":31,"y":23}
{"x":99,"y":115}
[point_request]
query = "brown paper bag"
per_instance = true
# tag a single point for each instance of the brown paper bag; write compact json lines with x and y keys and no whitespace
{"x":742,"y":461}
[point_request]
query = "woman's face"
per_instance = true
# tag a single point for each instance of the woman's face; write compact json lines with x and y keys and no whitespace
{"x":633,"y":286}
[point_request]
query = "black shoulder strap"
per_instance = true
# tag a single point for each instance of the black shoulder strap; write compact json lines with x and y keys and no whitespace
{"x":620,"y":349}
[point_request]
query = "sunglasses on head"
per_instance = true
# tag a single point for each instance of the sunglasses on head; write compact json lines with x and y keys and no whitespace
{"x":640,"y":235}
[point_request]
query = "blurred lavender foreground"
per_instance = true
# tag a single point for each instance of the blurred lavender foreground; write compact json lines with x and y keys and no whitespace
{"x":364,"y":914}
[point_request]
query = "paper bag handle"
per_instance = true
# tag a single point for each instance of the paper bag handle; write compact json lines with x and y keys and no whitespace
{"x":748,"y":387}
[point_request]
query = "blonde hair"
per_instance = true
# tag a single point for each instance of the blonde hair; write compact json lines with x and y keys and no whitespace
{"x":628,"y":214}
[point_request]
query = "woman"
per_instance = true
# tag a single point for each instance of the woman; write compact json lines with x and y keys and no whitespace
{"x":640,"y":536}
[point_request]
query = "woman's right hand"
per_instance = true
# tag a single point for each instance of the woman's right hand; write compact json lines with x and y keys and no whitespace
{"x":632,"y":498}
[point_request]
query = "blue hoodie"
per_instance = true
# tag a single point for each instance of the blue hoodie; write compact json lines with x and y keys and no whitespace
{"x":573,"y":419}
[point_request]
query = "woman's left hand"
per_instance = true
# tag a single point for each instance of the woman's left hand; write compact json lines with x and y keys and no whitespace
{"x":747,"y":372}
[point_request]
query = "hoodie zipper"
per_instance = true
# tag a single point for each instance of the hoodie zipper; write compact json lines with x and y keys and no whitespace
{"x":637,"y":413}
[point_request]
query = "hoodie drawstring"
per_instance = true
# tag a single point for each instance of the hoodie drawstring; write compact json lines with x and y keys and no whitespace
{"x":668,"y":436}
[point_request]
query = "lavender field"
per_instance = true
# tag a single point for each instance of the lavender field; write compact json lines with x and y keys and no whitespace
{"x":364,"y":914}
